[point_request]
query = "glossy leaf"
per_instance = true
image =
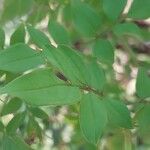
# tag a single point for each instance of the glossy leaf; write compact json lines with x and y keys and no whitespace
{"x":93,"y":117}
{"x":58,"y":32}
{"x":139,"y":9}
{"x":38,"y":37}
{"x":18,"y":36}
{"x":143,"y":83}
{"x":118,"y":114}
{"x":104,"y":51}
{"x":42,"y":87}
{"x":14,"y":143}
{"x":19,"y":58}
{"x":113,"y":9}
{"x":85,"y":18}
{"x":12,"y":106}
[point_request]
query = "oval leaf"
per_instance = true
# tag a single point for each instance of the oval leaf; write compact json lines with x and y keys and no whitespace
{"x":19,"y":58}
{"x":93,"y":117}
{"x":42,"y":87}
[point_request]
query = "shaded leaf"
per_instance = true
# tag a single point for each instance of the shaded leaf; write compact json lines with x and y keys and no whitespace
{"x":39,"y":113}
{"x":18,"y":36}
{"x":2,"y":38}
{"x":15,"y":122}
{"x":12,"y":106}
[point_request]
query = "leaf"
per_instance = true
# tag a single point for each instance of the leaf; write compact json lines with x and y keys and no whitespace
{"x":19,"y":58}
{"x":15,"y":122}
{"x":118,"y":114}
{"x":2,"y":38}
{"x":33,"y":128}
{"x":85,"y":18}
{"x":113,"y":9}
{"x":143,"y":120}
{"x":96,"y":76}
{"x":93,"y":117}
{"x":68,"y":61}
{"x":143,"y":83}
{"x":18,"y":36}
{"x":11,"y":10}
{"x":14,"y":143}
{"x":38,"y":37}
{"x":139,"y":9}
{"x":39,"y":12}
{"x":2,"y":127}
{"x":12,"y":106}
{"x":58,"y":32}
{"x":129,"y":29}
{"x":104,"y":51}
{"x":42,"y":87}
{"x":39,"y":113}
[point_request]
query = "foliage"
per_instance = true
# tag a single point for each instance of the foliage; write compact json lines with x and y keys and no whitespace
{"x":65,"y":54}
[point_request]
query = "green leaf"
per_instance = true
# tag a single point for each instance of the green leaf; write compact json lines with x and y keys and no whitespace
{"x":18,"y":36}
{"x":143,"y":120}
{"x":15,"y":122}
{"x":127,"y":29}
{"x":11,"y":106}
{"x":118,"y":114}
{"x":104,"y":51}
{"x":11,"y":10}
{"x":33,"y":128}
{"x":139,"y":9}
{"x":58,"y":32}
{"x":68,"y":61}
{"x":14,"y":143}
{"x":143,"y":83}
{"x":38,"y":37}
{"x":85,"y":18}
{"x":93,"y":117}
{"x":42,"y":87}
{"x":113,"y":9}
{"x":2,"y":38}
{"x":2,"y":127}
{"x":96,"y":76}
{"x":39,"y":12}
{"x":39,"y":113}
{"x":19,"y":58}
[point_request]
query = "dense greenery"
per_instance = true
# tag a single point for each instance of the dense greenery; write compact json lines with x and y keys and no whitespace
{"x":71,"y":65}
